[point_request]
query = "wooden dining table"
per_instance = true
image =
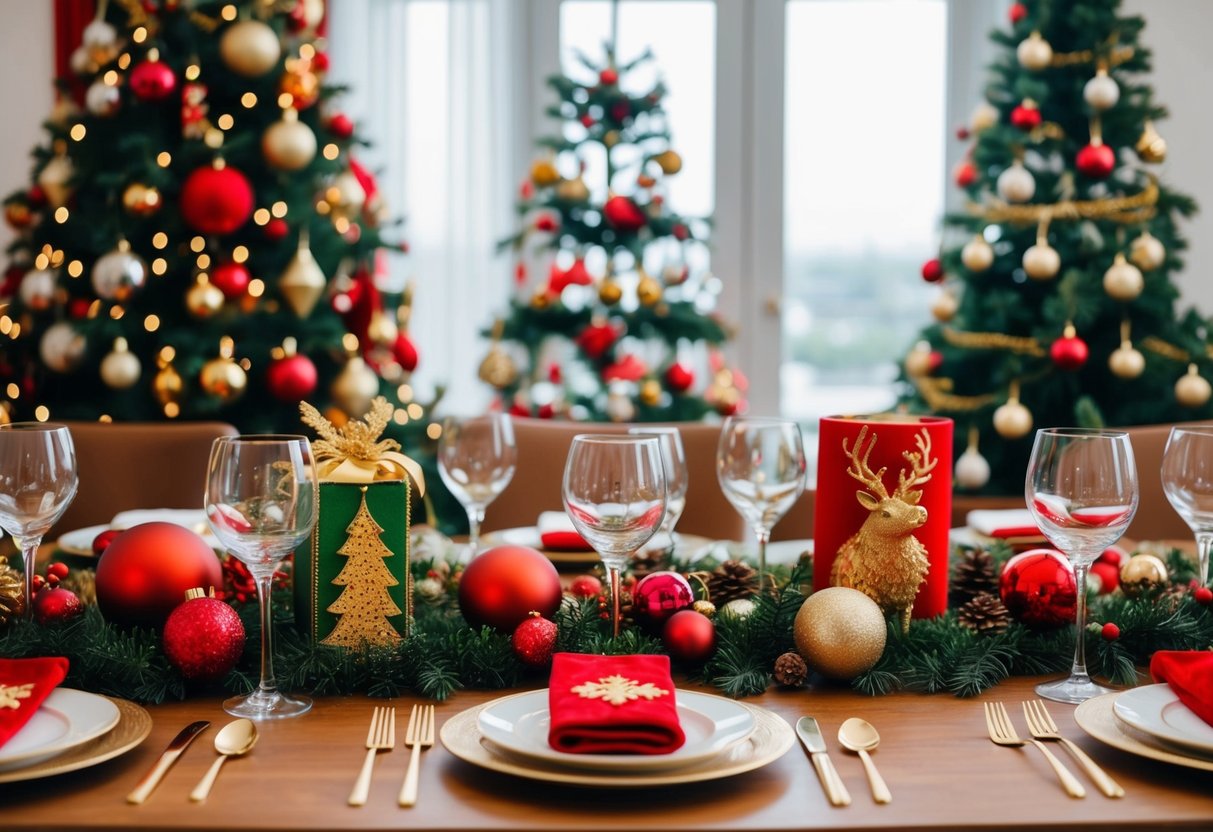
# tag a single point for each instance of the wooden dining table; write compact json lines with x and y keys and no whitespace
{"x":942,"y":769}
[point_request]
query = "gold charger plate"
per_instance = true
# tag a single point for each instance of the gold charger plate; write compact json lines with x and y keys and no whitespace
{"x":1097,"y":718}
{"x":771,"y":739}
{"x":134,"y":724}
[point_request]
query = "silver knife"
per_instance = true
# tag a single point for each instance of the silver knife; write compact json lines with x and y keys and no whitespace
{"x":814,"y":742}
{"x":170,"y":755}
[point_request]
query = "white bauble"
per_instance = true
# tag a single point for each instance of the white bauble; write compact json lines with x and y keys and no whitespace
{"x":1016,"y":184}
{"x":619,"y":406}
{"x":38,"y":289}
{"x":1034,"y":53}
{"x":1012,"y":420}
{"x":55,"y":180}
{"x":739,"y":608}
{"x":99,"y":35}
{"x":1126,"y":362}
{"x":121,"y":368}
{"x":972,"y":470}
{"x":945,"y":306}
{"x":61,"y":347}
{"x":118,"y":274}
{"x":1101,"y":92}
{"x":1192,"y":390}
{"x":1147,"y":251}
{"x":81,"y":62}
{"x":1123,"y":280}
{"x":102,"y":99}
{"x":250,"y":48}
{"x":985,"y":116}
{"x":977,"y":255}
{"x":1042,"y":262}
{"x":288,"y":144}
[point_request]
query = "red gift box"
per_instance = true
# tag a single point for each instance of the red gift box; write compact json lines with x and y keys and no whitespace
{"x":24,"y":684}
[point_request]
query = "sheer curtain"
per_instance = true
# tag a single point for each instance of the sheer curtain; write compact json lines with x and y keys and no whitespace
{"x":431,"y":85}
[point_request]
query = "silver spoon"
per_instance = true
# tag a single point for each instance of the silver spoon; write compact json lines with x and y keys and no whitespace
{"x":858,"y":735}
{"x":236,"y":738}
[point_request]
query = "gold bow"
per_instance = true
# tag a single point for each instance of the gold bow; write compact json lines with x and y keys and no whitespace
{"x":354,"y":453}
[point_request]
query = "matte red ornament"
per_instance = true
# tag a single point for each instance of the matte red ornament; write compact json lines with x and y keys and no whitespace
{"x":341,"y":125}
{"x":576,"y":275}
{"x":679,"y":377}
{"x":659,"y":595}
{"x":1069,"y":352}
{"x":596,"y":339}
{"x":966,"y":174}
{"x":1110,"y":632}
{"x":587,"y":121}
{"x":1096,"y":161}
{"x":621,"y":110}
{"x":1039,"y":590}
{"x":1017,"y":12}
{"x":152,"y":81}
{"x":405,"y":352}
{"x":623,"y":214}
{"x":934,"y":361}
{"x":534,"y":640}
{"x":502,"y":586}
{"x":680,"y":231}
{"x":608,"y":77}
{"x":57,"y":570}
{"x":546,"y":411}
{"x":204,"y":638}
{"x":320,"y":61}
{"x":1203,"y":595}
{"x":55,"y":605}
{"x":689,"y":637}
{"x":1026,"y":117}
{"x":1109,"y":576}
{"x":77,"y":308}
{"x":291,"y":378}
{"x":232,"y":279}
{"x":147,"y":569}
{"x":546,"y":222}
{"x":276,"y":229}
{"x":216,"y":200}
{"x":932,"y":270}
{"x":586,"y":586}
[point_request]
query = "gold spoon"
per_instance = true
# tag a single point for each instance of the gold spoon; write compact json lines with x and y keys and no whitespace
{"x":236,"y":738}
{"x":858,"y":735}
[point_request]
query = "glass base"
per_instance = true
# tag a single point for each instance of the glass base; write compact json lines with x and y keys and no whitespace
{"x":1074,"y":690}
{"x":267,"y":704}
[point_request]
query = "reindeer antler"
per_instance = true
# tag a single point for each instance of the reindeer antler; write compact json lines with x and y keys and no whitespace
{"x":921,"y":466}
{"x":859,"y":468}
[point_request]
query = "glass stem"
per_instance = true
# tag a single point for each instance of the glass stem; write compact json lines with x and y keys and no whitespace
{"x":264,"y":584}
{"x":1078,"y":673}
{"x":475,"y":518}
{"x":29,"y":565}
{"x":1204,"y":546}
{"x":613,"y":576}
{"x":764,"y":536}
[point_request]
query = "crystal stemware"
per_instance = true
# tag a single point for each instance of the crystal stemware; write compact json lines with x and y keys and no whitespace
{"x":674,"y":459}
{"x":1187,"y":480}
{"x":261,"y":504}
{"x":1081,"y":488}
{"x":476,"y":460}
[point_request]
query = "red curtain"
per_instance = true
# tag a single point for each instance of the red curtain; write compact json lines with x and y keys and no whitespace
{"x":71,"y":16}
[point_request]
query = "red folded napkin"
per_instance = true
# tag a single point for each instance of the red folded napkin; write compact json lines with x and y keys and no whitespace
{"x":613,"y":705}
{"x":557,"y":533}
{"x":24,"y":683}
{"x":1190,"y":675}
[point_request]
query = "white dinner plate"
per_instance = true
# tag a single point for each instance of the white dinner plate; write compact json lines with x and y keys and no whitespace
{"x":529,"y":536}
{"x":778,"y":551}
{"x":712,"y":724}
{"x":1157,"y":711}
{"x":80,"y":541}
{"x":67,"y":718}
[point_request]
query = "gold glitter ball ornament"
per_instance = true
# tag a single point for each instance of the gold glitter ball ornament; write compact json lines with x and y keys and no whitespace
{"x":544,"y":173}
{"x":11,"y":592}
{"x":840,"y":632}
{"x":498,"y":369}
{"x":610,"y":292}
{"x":1142,"y":575}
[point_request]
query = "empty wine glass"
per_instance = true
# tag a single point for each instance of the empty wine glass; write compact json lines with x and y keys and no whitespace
{"x":614,"y":492}
{"x":1187,"y":479}
{"x":37,"y":484}
{"x":761,"y":467}
{"x":261,"y":504}
{"x":1081,"y":488}
{"x":476,"y":459}
{"x":673,"y":457}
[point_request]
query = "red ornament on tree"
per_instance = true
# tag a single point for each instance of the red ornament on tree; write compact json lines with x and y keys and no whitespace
{"x":546,"y":222}
{"x":152,"y":80}
{"x":608,"y":77}
{"x":1017,"y":12}
{"x":276,"y":229}
{"x":501,"y":587}
{"x":232,"y":279}
{"x":534,"y":640}
{"x":577,"y":275}
{"x":1069,"y":352}
{"x":621,"y":110}
{"x":216,"y":200}
{"x":1096,"y":161}
{"x":932,"y":270}
{"x":1110,"y":632}
{"x":587,"y":121}
{"x":341,"y":125}
{"x":291,"y":378}
{"x":628,"y":368}
{"x":658,"y":596}
{"x":586,"y":586}
{"x":596,"y":339}
{"x":203,"y":637}
{"x":405,"y":352}
{"x":679,"y":377}
{"x":1109,"y":576}
{"x":966,"y":174}
{"x":1026,"y":116}
{"x":623,"y":214}
{"x":1038,"y":589}
{"x":689,"y":637}
{"x":680,"y":231}
{"x":55,"y":605}
{"x":102,"y":541}
{"x":1203,"y":595}
{"x":148,"y":568}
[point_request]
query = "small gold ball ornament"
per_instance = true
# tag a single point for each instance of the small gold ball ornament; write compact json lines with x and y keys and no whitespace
{"x":222,"y":377}
{"x":141,"y":200}
{"x":1142,"y":574}
{"x":1034,"y":53}
{"x":1012,"y":420}
{"x":1041,"y":261}
{"x":610,"y":292}
{"x":918,"y":360}
{"x":1147,"y":251}
{"x":167,"y":385}
{"x":204,"y":299}
{"x":121,"y":368}
{"x":250,"y":48}
{"x":611,"y":138}
{"x":669,"y":161}
{"x":705,"y":608}
{"x":61,"y":348}
{"x":345,"y":195}
{"x":355,"y":386}
{"x":382,"y":328}
{"x":840,"y":632}
{"x":977,"y":255}
{"x":1151,"y":146}
{"x":288,"y":144}
{"x":302,"y":85}
{"x":985,"y":116}
{"x":544,"y":173}
{"x":650,"y":392}
{"x":945,"y":307}
{"x":498,"y":368}
{"x":1126,"y":362}
{"x":1192,"y":389}
{"x":573,"y":190}
{"x":12,"y":592}
{"x":55,"y":178}
{"x":648,"y":291}
{"x":1123,"y":281}
{"x":972,"y":469}
{"x":1016,"y":183}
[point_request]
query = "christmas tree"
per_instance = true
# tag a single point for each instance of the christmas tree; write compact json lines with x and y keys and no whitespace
{"x":616,"y":322}
{"x":364,"y":605}
{"x":1057,"y":304}
{"x":197,"y":240}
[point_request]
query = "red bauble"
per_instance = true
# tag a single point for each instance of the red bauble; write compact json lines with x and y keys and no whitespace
{"x":689,"y":637}
{"x":1026,"y":117}
{"x":147,"y":569}
{"x":320,"y":62}
{"x":1069,"y":352}
{"x":55,"y":605}
{"x":546,"y":222}
{"x":546,"y":411}
{"x":680,"y":231}
{"x":232,"y":279}
{"x":658,"y":596}
{"x":1110,"y":632}
{"x":577,"y":275}
{"x":1203,"y":595}
{"x":341,"y":125}
{"x":1113,"y":555}
{"x":502,"y":586}
{"x":623,"y":214}
{"x":1109,"y":576}
{"x":966,"y":174}
{"x":587,"y":121}
{"x":596,"y":339}
{"x":276,"y":229}
{"x":534,"y":640}
{"x":216,"y":200}
{"x":628,"y":368}
{"x":1017,"y":12}
{"x":102,"y":541}
{"x":621,"y":110}
{"x":203,"y":638}
{"x":932,"y":270}
{"x":77,"y":308}
{"x":679,"y":377}
{"x":586,"y":586}
{"x":1038,"y":589}
{"x":152,"y":81}
{"x":1096,"y":161}
{"x":291,"y":378}
{"x":405,"y":352}
{"x":608,"y":77}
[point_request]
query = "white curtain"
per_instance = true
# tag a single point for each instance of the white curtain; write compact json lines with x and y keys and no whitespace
{"x":431,"y":86}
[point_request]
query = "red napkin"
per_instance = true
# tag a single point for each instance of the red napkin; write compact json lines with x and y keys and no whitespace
{"x":24,"y":683}
{"x":613,"y":705}
{"x":557,"y":533}
{"x":1190,"y":675}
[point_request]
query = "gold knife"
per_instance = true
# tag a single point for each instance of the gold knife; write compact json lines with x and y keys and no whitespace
{"x":170,"y":755}
{"x":814,"y":742}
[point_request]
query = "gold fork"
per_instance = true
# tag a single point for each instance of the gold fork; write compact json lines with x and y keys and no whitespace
{"x":420,"y":735}
{"x":1002,"y":732}
{"x":380,"y":737}
{"x":1042,"y":727}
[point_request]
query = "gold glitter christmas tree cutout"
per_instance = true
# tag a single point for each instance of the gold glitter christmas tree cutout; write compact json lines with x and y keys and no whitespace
{"x":618,"y":690}
{"x":364,"y":605}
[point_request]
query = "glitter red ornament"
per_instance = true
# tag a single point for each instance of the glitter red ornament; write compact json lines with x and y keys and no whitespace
{"x":501,"y":587}
{"x":1110,"y":632}
{"x":586,"y":586}
{"x":966,"y":174}
{"x":147,"y":569}
{"x":216,"y":200}
{"x":679,"y":377}
{"x":1096,"y":161}
{"x":152,"y":80}
{"x":232,"y":279}
{"x":657,"y":596}
{"x":623,"y":214}
{"x":932,"y":270}
{"x":1026,"y":116}
{"x":55,"y":605}
{"x":1038,"y":589}
{"x":534,"y":640}
{"x":689,"y":637}
{"x":203,"y":637}
{"x":291,"y":378}
{"x":1069,"y":352}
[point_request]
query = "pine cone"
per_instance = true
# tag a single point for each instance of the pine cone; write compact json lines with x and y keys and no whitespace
{"x":731,"y":580}
{"x":974,"y":574}
{"x":83,"y":582}
{"x":648,"y":561}
{"x":12,"y":588}
{"x":790,"y":670}
{"x":984,"y":615}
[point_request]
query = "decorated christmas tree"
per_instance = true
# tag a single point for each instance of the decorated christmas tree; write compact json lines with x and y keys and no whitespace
{"x":197,"y":240}
{"x":612,"y":314}
{"x":1057,"y":305}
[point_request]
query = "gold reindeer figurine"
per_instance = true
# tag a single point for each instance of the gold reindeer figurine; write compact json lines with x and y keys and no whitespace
{"x":883,"y":559}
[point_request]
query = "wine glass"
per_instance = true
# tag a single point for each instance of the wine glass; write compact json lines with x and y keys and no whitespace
{"x":614,"y":492}
{"x":1187,"y":479}
{"x":261,"y":504}
{"x":673,"y":457}
{"x":761,"y":467}
{"x":1081,"y":488}
{"x":476,"y":459}
{"x":37,"y":483}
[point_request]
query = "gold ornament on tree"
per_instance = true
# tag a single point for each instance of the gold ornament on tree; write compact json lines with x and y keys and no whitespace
{"x":55,"y":177}
{"x":977,"y":255}
{"x":168,"y":385}
{"x":12,"y":590}
{"x":918,"y":360}
{"x":648,"y":290}
{"x":544,"y":173}
{"x":288,"y":144}
{"x":498,"y":368}
{"x":1012,"y":420}
{"x":972,"y":469}
{"x":609,"y":291}
{"x":1142,"y":574}
{"x":1041,"y":261}
{"x":1125,"y":361}
{"x":1151,"y":146}
{"x":1192,"y":390}
{"x":345,"y":196}
{"x":650,"y":392}
{"x":204,"y":299}
{"x":573,"y":190}
{"x":840,"y":632}
{"x":356,"y":385}
{"x":669,"y":162}
{"x":141,"y":200}
{"x":364,"y":606}
{"x":250,"y":48}
{"x":1034,"y":53}
{"x":121,"y":368}
{"x":302,"y":282}
{"x":222,"y":377}
{"x":945,"y":306}
{"x":1147,"y":252}
{"x":1123,"y":281}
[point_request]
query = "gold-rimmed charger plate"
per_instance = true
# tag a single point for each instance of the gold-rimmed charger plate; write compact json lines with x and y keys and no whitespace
{"x":134,"y":724}
{"x":1097,"y":717}
{"x":771,"y":739}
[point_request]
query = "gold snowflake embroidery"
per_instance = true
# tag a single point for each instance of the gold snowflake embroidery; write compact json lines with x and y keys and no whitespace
{"x":618,"y":690}
{"x":11,"y":695}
